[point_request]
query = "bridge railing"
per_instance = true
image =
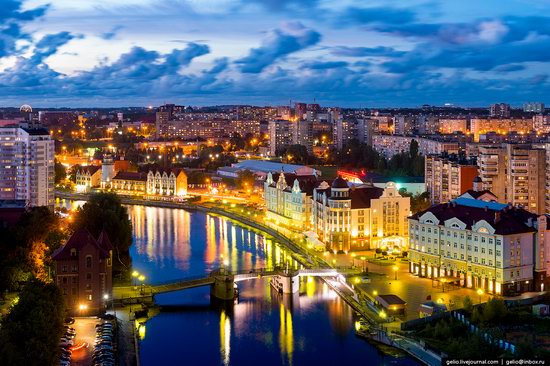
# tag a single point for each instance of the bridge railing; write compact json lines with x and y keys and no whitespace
{"x":179,"y":280}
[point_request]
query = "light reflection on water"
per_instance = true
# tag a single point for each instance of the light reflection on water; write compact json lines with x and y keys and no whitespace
{"x":314,"y":326}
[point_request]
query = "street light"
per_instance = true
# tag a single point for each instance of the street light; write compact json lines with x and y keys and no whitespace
{"x":141,"y":278}
{"x":395,"y":269}
{"x":135,"y":275}
{"x":480,"y":292}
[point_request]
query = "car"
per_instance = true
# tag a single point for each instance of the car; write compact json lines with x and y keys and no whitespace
{"x":69,"y":320}
{"x":107,"y":317}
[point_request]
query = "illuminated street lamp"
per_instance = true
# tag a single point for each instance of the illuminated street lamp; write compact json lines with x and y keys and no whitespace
{"x":135,"y":275}
{"x":395,"y":269}
{"x":141,"y":278}
{"x":480,"y":292}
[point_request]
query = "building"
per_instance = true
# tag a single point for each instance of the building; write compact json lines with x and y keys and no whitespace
{"x":345,"y":131}
{"x":261,"y":169}
{"x":533,"y":107}
{"x":129,"y":183}
{"x":27,"y":166}
{"x":11,"y":211}
{"x":347,"y":217}
{"x":446,"y":178}
{"x":503,"y":126}
{"x":390,"y":145}
{"x":287,"y":198}
{"x":403,"y":125}
{"x":453,"y":125}
{"x":302,"y":133}
{"x":514,"y":173}
{"x":501,"y":110}
{"x":499,"y":248}
{"x":280,"y":135}
{"x":172,"y":182}
{"x":83,"y":271}
{"x":88,"y":177}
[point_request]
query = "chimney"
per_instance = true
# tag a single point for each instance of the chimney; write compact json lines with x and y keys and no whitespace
{"x":497,"y":216}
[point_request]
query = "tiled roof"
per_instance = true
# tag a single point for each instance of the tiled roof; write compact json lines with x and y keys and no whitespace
{"x":78,"y":240}
{"x":361,"y":196}
{"x":477,"y":194}
{"x":504,"y":219}
{"x":131,"y":176}
{"x":91,"y":169}
{"x":307,"y":182}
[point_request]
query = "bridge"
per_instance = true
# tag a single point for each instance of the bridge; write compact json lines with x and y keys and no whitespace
{"x":223,"y":282}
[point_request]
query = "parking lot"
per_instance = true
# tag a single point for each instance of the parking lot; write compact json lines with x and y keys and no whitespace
{"x":85,"y":332}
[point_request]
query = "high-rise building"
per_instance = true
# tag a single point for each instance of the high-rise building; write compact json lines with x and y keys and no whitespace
{"x":302,"y":133}
{"x":501,"y":110}
{"x":446,"y":179}
{"x":403,"y":125}
{"x":280,"y":135}
{"x":300,"y":109}
{"x":535,"y":107}
{"x":515,"y":174}
{"x":27,"y":166}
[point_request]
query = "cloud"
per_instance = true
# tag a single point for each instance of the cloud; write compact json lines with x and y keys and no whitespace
{"x":49,"y":45}
{"x":112,"y":33}
{"x":366,"y":51}
{"x":384,"y":15}
{"x":12,"y":10}
{"x":279,"y":5}
{"x":320,"y":65}
{"x":292,"y":37}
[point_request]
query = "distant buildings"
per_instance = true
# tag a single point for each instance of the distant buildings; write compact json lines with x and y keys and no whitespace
{"x":83,"y":271}
{"x":501,"y":110}
{"x":280,"y":135}
{"x":468,"y":242}
{"x":533,"y":107}
{"x":446,"y":178}
{"x":390,"y":145}
{"x":27,"y":166}
{"x":360,"y":217}
{"x":261,"y":168}
{"x":503,"y":126}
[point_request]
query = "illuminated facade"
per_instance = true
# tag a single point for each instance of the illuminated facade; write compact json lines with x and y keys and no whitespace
{"x":88,"y":177}
{"x":390,"y":145}
{"x":446,"y":179}
{"x":360,"y":217}
{"x":167,"y":182}
{"x":288,"y":198}
{"x":503,"y":126}
{"x":479,"y":244}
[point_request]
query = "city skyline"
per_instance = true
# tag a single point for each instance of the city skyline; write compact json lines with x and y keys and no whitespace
{"x":352,"y":54}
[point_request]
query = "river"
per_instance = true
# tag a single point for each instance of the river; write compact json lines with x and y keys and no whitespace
{"x":314,"y":327}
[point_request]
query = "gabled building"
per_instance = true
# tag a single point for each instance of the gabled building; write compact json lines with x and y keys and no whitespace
{"x":287,"y":198}
{"x":348,"y":217}
{"x":83,"y":271}
{"x":171,"y":182}
{"x":474,"y":243}
{"x":129,"y":183}
{"x":88,"y":177}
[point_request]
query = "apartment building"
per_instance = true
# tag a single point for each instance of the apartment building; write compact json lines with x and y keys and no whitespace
{"x":356,"y":217}
{"x":447,"y":178}
{"x":479,"y":126}
{"x":390,"y":145}
{"x":467,"y":242}
{"x":27,"y":166}
{"x":280,"y":135}
{"x":515,"y":174}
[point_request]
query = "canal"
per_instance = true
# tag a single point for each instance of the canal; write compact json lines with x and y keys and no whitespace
{"x":314,"y":327}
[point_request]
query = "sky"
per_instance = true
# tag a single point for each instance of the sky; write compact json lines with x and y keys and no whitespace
{"x":349,"y":53}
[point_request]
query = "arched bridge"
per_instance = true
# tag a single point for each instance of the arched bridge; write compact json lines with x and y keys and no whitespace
{"x":219,"y":280}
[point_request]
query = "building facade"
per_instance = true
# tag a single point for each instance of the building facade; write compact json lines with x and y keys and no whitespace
{"x":280,"y":135}
{"x":287,"y":198}
{"x":171,"y":182}
{"x":515,"y":173}
{"x":27,"y":166}
{"x":447,"y":179}
{"x":84,"y":272}
{"x":360,"y":217}
{"x":467,"y":242}
{"x":88,"y":177}
{"x":390,"y":145}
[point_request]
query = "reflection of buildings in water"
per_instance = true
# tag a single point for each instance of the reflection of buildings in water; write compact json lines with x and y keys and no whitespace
{"x":286,"y":334}
{"x":163,"y":235}
{"x":340,"y":316}
{"x":225,"y":337}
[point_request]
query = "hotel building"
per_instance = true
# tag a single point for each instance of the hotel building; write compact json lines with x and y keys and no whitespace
{"x":472,"y":243}
{"x":360,"y":217}
{"x":88,"y":177}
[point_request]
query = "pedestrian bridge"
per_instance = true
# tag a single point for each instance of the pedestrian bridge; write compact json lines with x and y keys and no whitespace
{"x":221,"y":281}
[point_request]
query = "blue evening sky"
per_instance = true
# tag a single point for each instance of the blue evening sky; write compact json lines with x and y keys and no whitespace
{"x":358,"y":53}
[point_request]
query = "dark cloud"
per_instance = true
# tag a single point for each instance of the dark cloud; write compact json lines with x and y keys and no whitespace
{"x":320,"y":65}
{"x":12,"y":10}
{"x":383,"y":15}
{"x":112,"y":33}
{"x":49,"y":45}
{"x":292,"y":37}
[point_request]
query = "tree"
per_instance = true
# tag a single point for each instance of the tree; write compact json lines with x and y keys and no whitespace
{"x":413,"y":149}
{"x":245,"y":179}
{"x":60,"y":171}
{"x":31,"y":331}
{"x":296,"y":154}
{"x":467,"y":304}
{"x":104,"y":211}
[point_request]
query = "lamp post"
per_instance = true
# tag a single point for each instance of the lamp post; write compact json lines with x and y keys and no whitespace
{"x":141,"y":278}
{"x":395,"y":269}
{"x":480,"y":292}
{"x":135,"y":275}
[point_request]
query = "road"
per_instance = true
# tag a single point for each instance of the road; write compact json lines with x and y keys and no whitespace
{"x":85,"y":332}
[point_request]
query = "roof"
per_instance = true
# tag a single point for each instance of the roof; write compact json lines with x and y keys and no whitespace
{"x":131,"y":176}
{"x":306,"y":182}
{"x":362,"y":196}
{"x":168,"y":171}
{"x":504,"y":219}
{"x":78,"y":240}
{"x":477,"y":194}
{"x":91,"y":169}
{"x":267,"y":166}
{"x":391,"y":299}
{"x":379,"y":178}
{"x":104,"y":242}
{"x":339,"y":183}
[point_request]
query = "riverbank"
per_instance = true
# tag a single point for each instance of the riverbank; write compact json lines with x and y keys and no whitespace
{"x":308,"y":258}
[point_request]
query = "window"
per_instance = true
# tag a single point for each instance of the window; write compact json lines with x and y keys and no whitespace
{"x":88,"y":276}
{"x":73,"y":252}
{"x":75,"y":268}
{"x":64,"y":280}
{"x":64,"y":268}
{"x":88,"y":261}
{"x":89,"y":297}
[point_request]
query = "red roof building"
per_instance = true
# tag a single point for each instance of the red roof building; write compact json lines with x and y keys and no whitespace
{"x":84,"y":271}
